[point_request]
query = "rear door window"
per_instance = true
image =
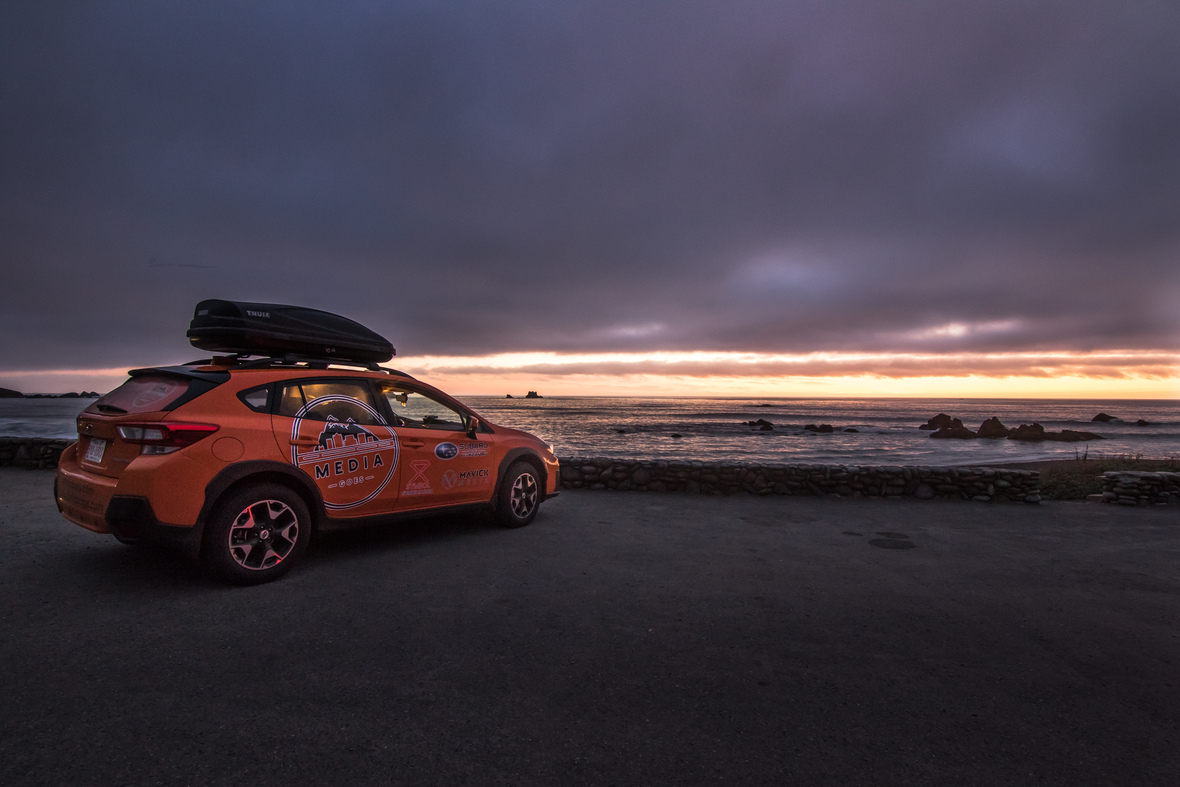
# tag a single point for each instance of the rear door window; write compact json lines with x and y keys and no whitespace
{"x":338,"y":400}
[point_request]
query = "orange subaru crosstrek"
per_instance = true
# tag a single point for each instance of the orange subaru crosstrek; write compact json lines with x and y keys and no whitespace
{"x":241,"y":458}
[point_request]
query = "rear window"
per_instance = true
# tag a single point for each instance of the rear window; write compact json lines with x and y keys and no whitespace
{"x":143,"y":394}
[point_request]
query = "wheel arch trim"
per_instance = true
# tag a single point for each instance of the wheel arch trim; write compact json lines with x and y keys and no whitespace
{"x":512,"y":457}
{"x":261,"y":470}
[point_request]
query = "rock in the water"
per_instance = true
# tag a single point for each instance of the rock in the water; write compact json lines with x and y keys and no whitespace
{"x":1036,"y":433}
{"x":761,"y":423}
{"x":851,"y":430}
{"x":959,"y":432}
{"x":1141,"y":422}
{"x":677,"y":434}
{"x":533,"y":395}
{"x":940,"y":421}
{"x":992,"y":428}
{"x":822,"y":428}
{"x":1103,"y":418}
{"x":766,"y":428}
{"x":1032,"y":433}
{"x":1070,"y":436}
{"x":509,"y":396}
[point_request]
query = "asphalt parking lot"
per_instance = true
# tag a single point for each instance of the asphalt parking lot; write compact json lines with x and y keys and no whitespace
{"x":622,"y":638}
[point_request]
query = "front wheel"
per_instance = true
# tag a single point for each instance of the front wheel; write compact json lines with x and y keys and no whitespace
{"x":256,"y":534}
{"x":520,"y":495}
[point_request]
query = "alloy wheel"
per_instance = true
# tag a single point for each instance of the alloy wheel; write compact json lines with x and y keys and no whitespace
{"x":524,"y":495}
{"x":263,"y":535}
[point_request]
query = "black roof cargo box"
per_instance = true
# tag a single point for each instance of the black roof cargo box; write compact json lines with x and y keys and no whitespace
{"x":278,"y":330}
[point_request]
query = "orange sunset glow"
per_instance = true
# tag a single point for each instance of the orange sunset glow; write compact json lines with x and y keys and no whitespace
{"x":1121,"y":375}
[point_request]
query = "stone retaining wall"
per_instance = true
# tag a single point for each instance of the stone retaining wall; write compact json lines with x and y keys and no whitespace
{"x":34,"y":453}
{"x":982,"y":484}
{"x":1130,"y":488}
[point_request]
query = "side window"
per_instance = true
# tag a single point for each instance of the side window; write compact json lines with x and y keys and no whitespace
{"x":257,"y":399}
{"x":411,"y":408}
{"x":337,"y":400}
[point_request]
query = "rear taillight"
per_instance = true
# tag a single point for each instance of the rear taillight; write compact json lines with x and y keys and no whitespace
{"x":164,"y":437}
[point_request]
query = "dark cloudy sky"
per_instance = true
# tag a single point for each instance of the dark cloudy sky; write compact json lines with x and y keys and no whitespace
{"x":471,"y":178}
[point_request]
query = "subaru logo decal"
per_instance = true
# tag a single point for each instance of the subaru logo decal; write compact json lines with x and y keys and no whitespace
{"x":446,"y":450}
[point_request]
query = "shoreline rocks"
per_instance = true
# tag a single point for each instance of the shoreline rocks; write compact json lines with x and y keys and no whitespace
{"x":992,"y":429}
{"x":1036,"y":434}
{"x":958,"y":432}
{"x":941,"y":421}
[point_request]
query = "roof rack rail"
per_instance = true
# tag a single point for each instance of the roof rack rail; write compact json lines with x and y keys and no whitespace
{"x":244,"y":361}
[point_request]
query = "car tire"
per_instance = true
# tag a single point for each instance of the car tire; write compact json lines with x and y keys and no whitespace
{"x":256,"y":534}
{"x":520,"y":495}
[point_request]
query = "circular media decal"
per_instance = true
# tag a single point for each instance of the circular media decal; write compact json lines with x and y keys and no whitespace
{"x":350,"y":462}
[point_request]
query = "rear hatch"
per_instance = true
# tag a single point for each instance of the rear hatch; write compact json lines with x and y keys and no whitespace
{"x":146,"y":398}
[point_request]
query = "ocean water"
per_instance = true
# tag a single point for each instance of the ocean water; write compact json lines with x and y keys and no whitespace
{"x":887,"y":429}
{"x":714,"y":429}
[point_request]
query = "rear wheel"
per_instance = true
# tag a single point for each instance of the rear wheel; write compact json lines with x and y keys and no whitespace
{"x":520,"y":495}
{"x":256,"y":534}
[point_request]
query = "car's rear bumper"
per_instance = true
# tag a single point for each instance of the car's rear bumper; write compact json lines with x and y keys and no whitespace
{"x":82,"y":497}
{"x":131,"y":518}
{"x":89,"y":500}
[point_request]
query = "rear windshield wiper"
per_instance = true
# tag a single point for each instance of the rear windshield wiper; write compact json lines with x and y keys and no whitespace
{"x":110,"y":408}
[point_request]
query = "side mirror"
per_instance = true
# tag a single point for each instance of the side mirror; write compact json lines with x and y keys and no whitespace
{"x":472,"y":426}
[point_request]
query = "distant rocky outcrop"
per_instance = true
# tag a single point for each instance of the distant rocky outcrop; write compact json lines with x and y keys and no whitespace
{"x":8,"y":393}
{"x":1036,"y":433}
{"x":941,"y":421}
{"x":1103,"y":418}
{"x":993,"y":429}
{"x":70,"y":395}
{"x":821,"y":429}
{"x":510,"y":396}
{"x":955,"y":432}
{"x":761,"y":424}
{"x":1141,"y":422}
{"x":533,"y":395}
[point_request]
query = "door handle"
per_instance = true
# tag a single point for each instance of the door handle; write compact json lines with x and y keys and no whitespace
{"x":409,"y":444}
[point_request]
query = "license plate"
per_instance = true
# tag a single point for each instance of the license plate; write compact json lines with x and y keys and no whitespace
{"x":96,"y":449}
